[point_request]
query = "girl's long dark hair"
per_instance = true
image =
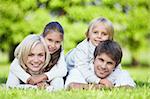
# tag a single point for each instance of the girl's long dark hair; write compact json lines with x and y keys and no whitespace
{"x":54,"y":59}
{"x":55,"y":26}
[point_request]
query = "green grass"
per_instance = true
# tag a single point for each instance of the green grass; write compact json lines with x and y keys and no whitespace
{"x":140,"y":75}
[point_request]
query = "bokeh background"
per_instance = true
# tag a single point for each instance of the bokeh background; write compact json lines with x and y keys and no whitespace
{"x":131,"y":20}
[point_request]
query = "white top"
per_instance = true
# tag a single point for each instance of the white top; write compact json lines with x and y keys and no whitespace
{"x":14,"y":82}
{"x":118,"y":78}
{"x":58,"y":70}
{"x":80,"y":58}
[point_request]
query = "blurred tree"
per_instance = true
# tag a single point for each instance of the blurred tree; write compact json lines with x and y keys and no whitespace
{"x":22,"y":17}
{"x":18,"y":19}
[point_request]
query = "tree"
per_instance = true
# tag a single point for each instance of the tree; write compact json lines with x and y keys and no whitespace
{"x":22,"y":17}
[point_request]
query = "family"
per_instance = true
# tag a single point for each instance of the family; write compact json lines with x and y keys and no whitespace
{"x":95,"y":63}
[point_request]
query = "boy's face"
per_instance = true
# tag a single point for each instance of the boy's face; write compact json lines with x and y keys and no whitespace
{"x":103,"y":65}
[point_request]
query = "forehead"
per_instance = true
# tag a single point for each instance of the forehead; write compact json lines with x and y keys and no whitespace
{"x":38,"y":47}
{"x":106,"y":56}
{"x":54,"y":35}
{"x":99,"y":26}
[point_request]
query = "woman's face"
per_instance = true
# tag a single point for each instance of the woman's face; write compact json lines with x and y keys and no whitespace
{"x":98,"y":34}
{"x":53,"y":41}
{"x":103,"y":65}
{"x":36,"y":58}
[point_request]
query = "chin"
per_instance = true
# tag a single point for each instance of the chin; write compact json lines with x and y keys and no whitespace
{"x":52,"y":52}
{"x":102,"y":76}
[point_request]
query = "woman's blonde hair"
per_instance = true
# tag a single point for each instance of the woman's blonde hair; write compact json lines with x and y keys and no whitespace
{"x":23,"y":50}
{"x":107,"y":23}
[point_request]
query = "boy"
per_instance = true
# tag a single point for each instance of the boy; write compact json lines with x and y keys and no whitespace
{"x":107,"y":56}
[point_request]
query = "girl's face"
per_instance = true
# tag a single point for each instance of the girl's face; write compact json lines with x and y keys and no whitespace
{"x":53,"y":41}
{"x":36,"y":58}
{"x":98,"y":34}
{"x":103,"y":65}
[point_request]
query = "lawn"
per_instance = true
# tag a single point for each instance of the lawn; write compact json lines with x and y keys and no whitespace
{"x":140,"y":75}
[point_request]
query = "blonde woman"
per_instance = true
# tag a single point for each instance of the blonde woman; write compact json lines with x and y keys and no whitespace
{"x":33,"y":56}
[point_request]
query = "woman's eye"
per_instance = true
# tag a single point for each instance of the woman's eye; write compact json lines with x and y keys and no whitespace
{"x":41,"y":55}
{"x":30,"y":55}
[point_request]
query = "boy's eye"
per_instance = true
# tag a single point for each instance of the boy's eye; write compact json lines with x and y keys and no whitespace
{"x":110,"y":63}
{"x":100,"y":59}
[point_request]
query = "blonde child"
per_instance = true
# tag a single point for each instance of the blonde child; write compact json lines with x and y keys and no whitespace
{"x":107,"y":56}
{"x":99,"y":30}
{"x":53,"y":35}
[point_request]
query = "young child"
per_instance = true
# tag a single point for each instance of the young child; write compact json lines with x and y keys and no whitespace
{"x":53,"y":35}
{"x":33,"y":56}
{"x":107,"y":56}
{"x":99,"y":30}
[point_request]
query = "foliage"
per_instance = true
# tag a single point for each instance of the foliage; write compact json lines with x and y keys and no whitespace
{"x":22,"y":17}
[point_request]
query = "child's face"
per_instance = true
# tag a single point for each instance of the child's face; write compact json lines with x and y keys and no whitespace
{"x":103,"y":65}
{"x":53,"y":41}
{"x":98,"y":34}
{"x":36,"y":58}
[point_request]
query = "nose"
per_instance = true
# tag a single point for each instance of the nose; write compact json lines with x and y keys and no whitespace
{"x":103,"y":66}
{"x":36,"y":59}
{"x":99,"y":35}
{"x":52,"y":44}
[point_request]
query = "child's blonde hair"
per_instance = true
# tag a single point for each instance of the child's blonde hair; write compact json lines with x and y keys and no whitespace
{"x":107,"y":23}
{"x":23,"y":50}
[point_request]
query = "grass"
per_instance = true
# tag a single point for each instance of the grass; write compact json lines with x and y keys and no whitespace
{"x":140,"y":75}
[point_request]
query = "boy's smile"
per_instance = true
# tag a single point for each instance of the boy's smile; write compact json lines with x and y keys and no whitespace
{"x":103,"y":65}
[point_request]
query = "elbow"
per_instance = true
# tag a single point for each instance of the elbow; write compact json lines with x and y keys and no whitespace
{"x":64,"y":73}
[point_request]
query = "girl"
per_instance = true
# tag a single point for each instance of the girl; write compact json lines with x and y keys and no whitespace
{"x":33,"y":56}
{"x":99,"y":30}
{"x":53,"y":35}
{"x":107,"y":56}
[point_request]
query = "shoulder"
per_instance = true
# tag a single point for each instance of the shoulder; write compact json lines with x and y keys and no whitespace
{"x":83,"y":45}
{"x":123,"y":74}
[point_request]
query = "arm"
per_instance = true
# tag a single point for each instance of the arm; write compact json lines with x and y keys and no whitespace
{"x":85,"y":86}
{"x":58,"y":70}
{"x":14,"y":82}
{"x":83,"y":58}
{"x":124,"y":80}
{"x":112,"y":77}
{"x":19,"y":71}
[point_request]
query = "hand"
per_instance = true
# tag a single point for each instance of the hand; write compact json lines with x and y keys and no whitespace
{"x":106,"y":83}
{"x":75,"y":86}
{"x":42,"y":85}
{"x":37,"y":79}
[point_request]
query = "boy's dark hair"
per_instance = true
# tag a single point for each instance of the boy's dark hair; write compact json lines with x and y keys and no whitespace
{"x":111,"y":48}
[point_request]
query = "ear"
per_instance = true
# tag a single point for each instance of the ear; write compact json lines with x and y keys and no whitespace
{"x":114,"y":68}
